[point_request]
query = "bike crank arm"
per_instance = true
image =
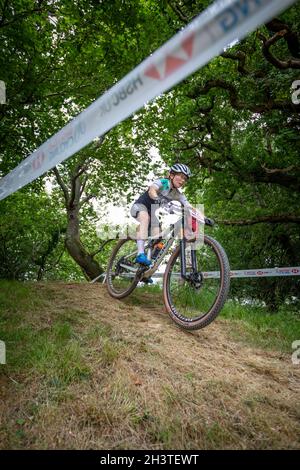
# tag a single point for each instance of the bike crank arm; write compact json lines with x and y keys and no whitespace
{"x":128,"y":268}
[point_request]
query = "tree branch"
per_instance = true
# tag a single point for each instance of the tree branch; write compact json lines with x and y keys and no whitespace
{"x":207,"y":162}
{"x":189,"y":146}
{"x":240,"y":57}
{"x":291,"y":38}
{"x":21,"y":15}
{"x":281,"y":170}
{"x":75,"y":191}
{"x":86,"y":199}
{"x":66,"y":92}
{"x":177,"y":11}
{"x":80,"y":170}
{"x":62,"y":185}
{"x":236,"y":103}
{"x":274,"y":176}
{"x":83,"y":184}
{"x":270,"y":219}
{"x":94,"y":253}
{"x":291,"y":63}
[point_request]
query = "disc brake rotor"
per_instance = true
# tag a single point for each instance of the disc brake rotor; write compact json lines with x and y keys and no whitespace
{"x":196,"y":279}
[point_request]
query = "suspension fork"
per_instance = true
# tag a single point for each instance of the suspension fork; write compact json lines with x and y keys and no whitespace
{"x":194,"y":261}
{"x":183,"y":257}
{"x":183,"y":260}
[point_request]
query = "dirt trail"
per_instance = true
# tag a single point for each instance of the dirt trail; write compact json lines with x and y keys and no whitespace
{"x":154,"y":386}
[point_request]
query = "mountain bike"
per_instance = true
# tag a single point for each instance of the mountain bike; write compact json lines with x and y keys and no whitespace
{"x":197,"y":273}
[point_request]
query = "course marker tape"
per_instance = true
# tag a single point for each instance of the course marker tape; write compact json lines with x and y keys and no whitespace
{"x":205,"y":37}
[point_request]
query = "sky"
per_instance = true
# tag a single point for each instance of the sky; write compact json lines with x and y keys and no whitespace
{"x":119,"y":214}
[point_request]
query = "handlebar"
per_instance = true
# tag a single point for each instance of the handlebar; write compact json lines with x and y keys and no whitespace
{"x":171,"y":208}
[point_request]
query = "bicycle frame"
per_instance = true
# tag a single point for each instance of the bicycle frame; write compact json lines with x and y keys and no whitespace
{"x":191,"y":300}
{"x":172,"y":232}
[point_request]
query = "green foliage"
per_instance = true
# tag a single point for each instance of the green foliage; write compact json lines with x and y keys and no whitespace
{"x":30,"y":235}
{"x":232,"y":121}
{"x":65,"y":54}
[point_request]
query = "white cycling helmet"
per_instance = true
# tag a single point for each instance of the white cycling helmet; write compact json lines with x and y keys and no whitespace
{"x":181,"y":168}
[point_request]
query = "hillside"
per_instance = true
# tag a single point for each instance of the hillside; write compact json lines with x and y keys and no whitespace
{"x":85,"y":371}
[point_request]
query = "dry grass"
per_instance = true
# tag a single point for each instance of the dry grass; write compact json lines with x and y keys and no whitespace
{"x":141,"y":383}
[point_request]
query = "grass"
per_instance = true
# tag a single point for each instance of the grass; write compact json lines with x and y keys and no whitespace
{"x":85,"y":371}
{"x":252,"y":325}
{"x":34,"y":342}
{"x":257,"y":327}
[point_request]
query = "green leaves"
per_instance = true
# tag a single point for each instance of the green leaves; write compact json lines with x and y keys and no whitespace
{"x":232,"y":122}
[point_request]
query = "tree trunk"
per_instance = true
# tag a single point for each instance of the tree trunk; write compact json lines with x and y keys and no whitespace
{"x":76,"y":250}
{"x":72,"y":195}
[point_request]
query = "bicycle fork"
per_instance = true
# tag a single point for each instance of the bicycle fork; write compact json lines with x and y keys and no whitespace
{"x":183,"y":260}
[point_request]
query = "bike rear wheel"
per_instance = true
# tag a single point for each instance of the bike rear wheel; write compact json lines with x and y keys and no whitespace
{"x":122,"y":274}
{"x":194,"y":303}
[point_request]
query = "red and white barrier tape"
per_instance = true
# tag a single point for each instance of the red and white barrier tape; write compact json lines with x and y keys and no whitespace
{"x":204,"y":38}
{"x":263,"y":272}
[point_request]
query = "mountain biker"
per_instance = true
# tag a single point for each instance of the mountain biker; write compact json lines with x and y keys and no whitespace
{"x":160,"y":189}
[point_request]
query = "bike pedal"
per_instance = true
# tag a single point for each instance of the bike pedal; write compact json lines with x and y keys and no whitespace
{"x":148,"y":281}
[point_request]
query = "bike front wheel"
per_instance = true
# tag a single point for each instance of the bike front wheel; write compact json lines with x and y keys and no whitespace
{"x":194,"y":302}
